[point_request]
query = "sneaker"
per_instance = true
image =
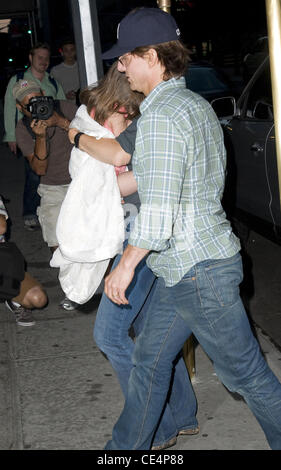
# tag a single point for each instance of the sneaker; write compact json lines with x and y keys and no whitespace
{"x":166,"y":445}
{"x":31,"y":223}
{"x":23,"y":315}
{"x":68,"y":304}
{"x":189,"y":432}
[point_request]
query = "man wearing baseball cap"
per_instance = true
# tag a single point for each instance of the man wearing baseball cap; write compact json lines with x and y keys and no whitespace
{"x":179,"y":166}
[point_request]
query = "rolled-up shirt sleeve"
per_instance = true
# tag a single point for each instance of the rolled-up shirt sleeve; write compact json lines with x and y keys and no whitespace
{"x":159,"y":168}
{"x":3,"y":210}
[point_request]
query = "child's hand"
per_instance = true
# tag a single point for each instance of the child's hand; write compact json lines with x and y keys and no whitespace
{"x":120,"y":169}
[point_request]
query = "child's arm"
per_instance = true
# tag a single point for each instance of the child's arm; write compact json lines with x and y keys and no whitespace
{"x":127,"y":183}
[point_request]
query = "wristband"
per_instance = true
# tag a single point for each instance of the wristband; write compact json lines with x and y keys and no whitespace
{"x":77,"y":138}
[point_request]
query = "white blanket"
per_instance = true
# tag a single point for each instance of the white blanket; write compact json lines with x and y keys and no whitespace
{"x":90,"y":227}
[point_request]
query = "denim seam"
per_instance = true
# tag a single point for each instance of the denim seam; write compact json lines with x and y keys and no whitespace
{"x":151,"y":382}
{"x":202,"y":307}
{"x":261,"y":404}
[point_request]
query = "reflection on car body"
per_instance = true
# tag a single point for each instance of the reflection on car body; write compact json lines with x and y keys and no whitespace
{"x":252,"y":189}
{"x":258,"y":52}
{"x":208,"y":81}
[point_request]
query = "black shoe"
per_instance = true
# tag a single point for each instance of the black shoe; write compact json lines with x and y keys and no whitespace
{"x":23,"y":315}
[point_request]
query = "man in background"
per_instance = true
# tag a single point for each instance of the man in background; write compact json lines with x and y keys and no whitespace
{"x":67,"y":72}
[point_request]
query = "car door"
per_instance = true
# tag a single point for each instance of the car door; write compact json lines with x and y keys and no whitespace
{"x":250,"y":141}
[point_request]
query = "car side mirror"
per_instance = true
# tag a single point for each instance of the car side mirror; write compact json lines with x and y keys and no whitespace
{"x":224,"y":107}
{"x":263,"y":110}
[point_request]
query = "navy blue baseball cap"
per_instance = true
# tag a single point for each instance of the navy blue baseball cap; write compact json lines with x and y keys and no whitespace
{"x":143,"y":27}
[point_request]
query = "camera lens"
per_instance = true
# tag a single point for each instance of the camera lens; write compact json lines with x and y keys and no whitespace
{"x":43,"y":110}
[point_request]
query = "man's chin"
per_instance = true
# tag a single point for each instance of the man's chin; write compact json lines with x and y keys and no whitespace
{"x":132,"y":86}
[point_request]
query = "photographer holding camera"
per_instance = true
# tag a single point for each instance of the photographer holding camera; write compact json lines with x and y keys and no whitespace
{"x":42,"y":137}
{"x":39,"y":58}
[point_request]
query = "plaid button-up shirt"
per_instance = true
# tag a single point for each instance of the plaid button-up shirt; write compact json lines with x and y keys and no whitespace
{"x":179,"y":165}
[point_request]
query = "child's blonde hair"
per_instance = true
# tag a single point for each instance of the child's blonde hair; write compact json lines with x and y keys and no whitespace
{"x":110,"y":94}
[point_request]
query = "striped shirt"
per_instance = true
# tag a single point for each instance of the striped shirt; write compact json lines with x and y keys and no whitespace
{"x":179,"y":164}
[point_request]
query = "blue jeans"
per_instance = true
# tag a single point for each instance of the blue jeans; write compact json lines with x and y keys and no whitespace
{"x":207,"y":302}
{"x":111,"y":335}
{"x":31,"y":199}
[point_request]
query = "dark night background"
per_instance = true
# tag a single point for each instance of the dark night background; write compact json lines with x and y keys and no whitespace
{"x":218,"y":31}
{"x":229,"y":24}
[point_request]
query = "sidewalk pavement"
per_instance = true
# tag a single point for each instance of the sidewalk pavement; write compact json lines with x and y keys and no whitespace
{"x":58,"y":392}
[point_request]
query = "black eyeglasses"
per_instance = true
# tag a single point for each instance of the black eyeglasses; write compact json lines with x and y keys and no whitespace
{"x":125,"y":59}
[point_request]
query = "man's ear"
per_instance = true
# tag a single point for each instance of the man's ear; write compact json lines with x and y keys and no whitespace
{"x":152,"y":56}
{"x":19,"y":106}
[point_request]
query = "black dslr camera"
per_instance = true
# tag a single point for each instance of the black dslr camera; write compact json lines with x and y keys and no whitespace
{"x":41,"y":107}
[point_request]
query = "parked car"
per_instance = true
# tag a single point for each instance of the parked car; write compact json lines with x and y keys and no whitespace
{"x":208,"y":81}
{"x":252,"y":189}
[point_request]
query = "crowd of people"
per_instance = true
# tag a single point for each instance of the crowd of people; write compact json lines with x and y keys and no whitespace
{"x":148,"y":154}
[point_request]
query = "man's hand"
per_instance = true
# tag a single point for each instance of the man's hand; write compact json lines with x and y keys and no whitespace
{"x":70,"y":95}
{"x":13,"y":147}
{"x":120,"y":278}
{"x":39,"y":127}
{"x":53,"y":120}
{"x":116,"y":284}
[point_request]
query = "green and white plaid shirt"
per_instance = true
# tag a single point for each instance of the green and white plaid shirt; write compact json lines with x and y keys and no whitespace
{"x":179,"y":165}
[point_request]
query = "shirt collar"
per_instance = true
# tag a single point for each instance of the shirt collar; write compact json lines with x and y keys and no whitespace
{"x":165,"y":85}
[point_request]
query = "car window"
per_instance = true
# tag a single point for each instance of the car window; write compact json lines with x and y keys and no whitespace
{"x":203,"y":79}
{"x":258,"y":101}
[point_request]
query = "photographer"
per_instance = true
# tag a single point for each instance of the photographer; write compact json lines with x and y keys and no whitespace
{"x":39,"y":58}
{"x":42,"y":137}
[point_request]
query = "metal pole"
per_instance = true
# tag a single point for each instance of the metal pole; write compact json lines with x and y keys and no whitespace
{"x":273,"y":13}
{"x":34,"y":26}
{"x":30,"y":28}
{"x":87,"y":40}
{"x":165,"y":5}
